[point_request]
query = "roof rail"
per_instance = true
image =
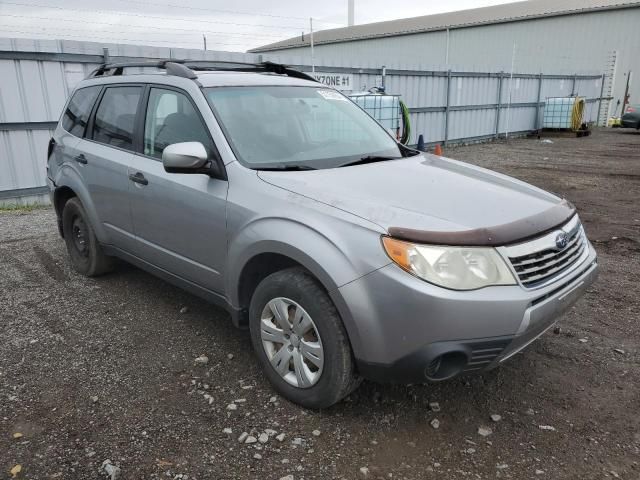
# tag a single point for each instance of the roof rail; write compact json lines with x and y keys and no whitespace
{"x":187,"y":68}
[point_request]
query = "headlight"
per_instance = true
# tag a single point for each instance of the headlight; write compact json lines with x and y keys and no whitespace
{"x":457,"y":268}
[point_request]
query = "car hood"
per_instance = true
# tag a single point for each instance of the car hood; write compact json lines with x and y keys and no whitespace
{"x":424,"y":192}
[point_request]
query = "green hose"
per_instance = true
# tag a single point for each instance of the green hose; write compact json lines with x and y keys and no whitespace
{"x":406,"y":123}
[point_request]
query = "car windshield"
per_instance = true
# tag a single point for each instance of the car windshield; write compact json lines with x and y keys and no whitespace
{"x":285,"y":127}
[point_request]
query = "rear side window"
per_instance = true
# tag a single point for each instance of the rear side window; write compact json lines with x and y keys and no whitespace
{"x":116,"y":117}
{"x":76,"y":116}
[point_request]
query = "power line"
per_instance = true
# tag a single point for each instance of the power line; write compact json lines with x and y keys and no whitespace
{"x":114,"y":31}
{"x":118,"y":39}
{"x":29,"y":17}
{"x":131,"y":14}
{"x":235,"y":12}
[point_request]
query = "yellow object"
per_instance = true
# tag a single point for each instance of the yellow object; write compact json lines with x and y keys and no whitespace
{"x":17,"y":435}
{"x":398,"y":251}
{"x":15,"y":471}
{"x":614,"y":122}
{"x":577,"y":113}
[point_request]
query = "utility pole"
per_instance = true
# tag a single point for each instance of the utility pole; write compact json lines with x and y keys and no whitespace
{"x":204,"y":40}
{"x":625,"y":99}
{"x":513,"y":61}
{"x":313,"y":63}
{"x":351,"y":13}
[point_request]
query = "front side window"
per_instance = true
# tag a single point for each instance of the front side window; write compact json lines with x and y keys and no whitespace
{"x":76,"y":116}
{"x":311,"y":127}
{"x":171,"y":118}
{"x":116,"y":116}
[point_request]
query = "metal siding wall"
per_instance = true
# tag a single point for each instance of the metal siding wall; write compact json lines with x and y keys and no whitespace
{"x":35,"y":91}
{"x":471,"y":123}
{"x":581,"y":43}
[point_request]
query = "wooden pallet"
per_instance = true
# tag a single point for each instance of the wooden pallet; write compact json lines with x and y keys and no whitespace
{"x":564,"y":132}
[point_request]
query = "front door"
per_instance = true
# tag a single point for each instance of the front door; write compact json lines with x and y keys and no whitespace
{"x":179,"y":219}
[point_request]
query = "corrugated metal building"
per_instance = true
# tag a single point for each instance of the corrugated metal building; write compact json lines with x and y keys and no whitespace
{"x":560,"y":36}
{"x":446,"y":106}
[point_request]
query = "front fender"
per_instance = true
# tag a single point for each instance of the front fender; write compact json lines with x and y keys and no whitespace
{"x":69,"y":177}
{"x":334,"y":260}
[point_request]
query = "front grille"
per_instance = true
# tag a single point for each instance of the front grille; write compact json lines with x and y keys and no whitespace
{"x":537,"y":268}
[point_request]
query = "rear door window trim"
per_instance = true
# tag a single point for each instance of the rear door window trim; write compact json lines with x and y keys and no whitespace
{"x":89,"y":130}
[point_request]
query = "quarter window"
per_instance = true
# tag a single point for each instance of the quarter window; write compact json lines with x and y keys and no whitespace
{"x":76,"y":116}
{"x":116,"y":116}
{"x":171,"y":118}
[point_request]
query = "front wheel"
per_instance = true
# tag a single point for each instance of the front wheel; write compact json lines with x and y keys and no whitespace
{"x":300,"y":340}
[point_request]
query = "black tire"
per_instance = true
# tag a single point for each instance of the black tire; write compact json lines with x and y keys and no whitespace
{"x":84,"y":250}
{"x":338,"y":377}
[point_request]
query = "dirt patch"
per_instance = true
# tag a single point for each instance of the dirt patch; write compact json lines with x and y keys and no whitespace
{"x":96,"y":369}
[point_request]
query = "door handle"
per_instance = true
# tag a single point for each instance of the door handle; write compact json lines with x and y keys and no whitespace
{"x":138,"y":177}
{"x":80,"y":159}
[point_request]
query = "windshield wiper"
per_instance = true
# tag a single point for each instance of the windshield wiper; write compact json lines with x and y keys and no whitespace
{"x":369,"y":159}
{"x":286,"y":168}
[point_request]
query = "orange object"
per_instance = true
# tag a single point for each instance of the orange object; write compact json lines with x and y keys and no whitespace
{"x":398,"y":251}
{"x":437,"y":150}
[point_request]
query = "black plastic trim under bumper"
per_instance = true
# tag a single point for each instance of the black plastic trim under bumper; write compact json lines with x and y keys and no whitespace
{"x":480,"y":354}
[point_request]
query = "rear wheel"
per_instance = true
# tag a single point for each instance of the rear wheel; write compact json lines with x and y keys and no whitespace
{"x":84,"y":250}
{"x":300,"y":340}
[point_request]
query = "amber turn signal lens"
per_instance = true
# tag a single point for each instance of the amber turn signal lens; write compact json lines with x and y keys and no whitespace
{"x":398,"y":251}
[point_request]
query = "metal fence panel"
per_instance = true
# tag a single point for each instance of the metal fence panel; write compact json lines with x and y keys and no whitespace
{"x":447,"y":105}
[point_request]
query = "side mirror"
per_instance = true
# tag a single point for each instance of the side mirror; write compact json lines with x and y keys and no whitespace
{"x":185,"y":157}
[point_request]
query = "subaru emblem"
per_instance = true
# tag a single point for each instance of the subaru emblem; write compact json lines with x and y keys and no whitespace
{"x":561,"y":240}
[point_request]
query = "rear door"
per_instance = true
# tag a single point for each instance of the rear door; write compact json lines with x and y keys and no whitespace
{"x":179,"y":219}
{"x":106,"y":152}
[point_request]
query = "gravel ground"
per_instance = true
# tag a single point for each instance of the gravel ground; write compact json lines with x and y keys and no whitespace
{"x":105,"y":369}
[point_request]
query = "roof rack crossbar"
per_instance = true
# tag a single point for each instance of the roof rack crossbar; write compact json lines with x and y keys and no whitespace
{"x":185,"y":68}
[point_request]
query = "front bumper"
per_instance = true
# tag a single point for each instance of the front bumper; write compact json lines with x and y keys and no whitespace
{"x":410,"y":331}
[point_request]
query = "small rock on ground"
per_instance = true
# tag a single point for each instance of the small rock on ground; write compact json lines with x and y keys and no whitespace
{"x":110,"y":469}
{"x":484,"y":431}
{"x":202,"y":360}
{"x":435,"y":423}
{"x":495,"y":417}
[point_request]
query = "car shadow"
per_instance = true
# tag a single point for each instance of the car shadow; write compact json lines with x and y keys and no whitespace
{"x":371,"y":401}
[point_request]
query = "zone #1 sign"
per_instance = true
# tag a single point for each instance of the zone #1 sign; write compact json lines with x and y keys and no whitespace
{"x":339,"y":81}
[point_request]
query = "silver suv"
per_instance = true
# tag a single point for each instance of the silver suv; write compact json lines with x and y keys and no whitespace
{"x":346,"y":254}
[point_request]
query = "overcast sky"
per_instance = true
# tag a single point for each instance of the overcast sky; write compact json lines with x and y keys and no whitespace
{"x":233,"y":26}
